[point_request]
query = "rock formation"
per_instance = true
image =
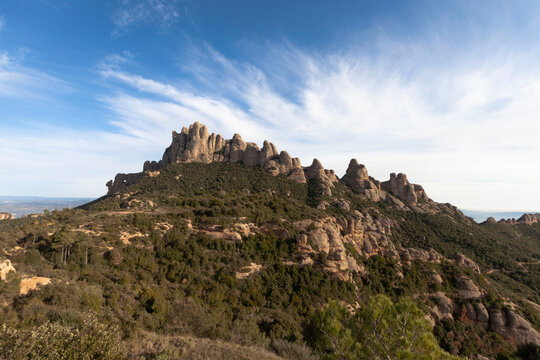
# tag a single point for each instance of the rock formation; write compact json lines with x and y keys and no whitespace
{"x":506,"y":323}
{"x":399,"y":186}
{"x":5,"y":269}
{"x":317,"y":172}
{"x":526,"y":219}
{"x":197,"y":145}
{"x":6,"y":216}
{"x":357,"y":178}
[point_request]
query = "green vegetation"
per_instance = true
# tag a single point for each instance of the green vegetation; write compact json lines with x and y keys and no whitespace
{"x":129,"y":269}
{"x":380,"y":330}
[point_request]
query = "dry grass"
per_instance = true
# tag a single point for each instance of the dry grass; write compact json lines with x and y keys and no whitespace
{"x":185,"y":347}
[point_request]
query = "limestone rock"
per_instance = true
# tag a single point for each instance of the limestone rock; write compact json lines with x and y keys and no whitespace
{"x":196,"y":144}
{"x":317,"y":172}
{"x":467,"y":263}
{"x":513,"y":327}
{"x":405,"y":191}
{"x":32,"y":283}
{"x":527,"y":219}
{"x":5,"y":269}
{"x":468,"y":289}
{"x":357,"y":178}
{"x":6,"y":216}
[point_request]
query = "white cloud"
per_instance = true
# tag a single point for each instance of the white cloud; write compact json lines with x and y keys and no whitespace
{"x":130,"y":12}
{"x":17,"y":81}
{"x":2,"y":23}
{"x":463,"y":131}
{"x":466,"y":130}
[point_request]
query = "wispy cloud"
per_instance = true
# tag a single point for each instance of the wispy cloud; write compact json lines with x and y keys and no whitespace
{"x":130,"y":12}
{"x":453,"y":124}
{"x":2,"y":23}
{"x":466,"y":127}
{"x":27,"y":84}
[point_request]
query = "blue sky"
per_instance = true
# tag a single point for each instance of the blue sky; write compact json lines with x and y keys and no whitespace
{"x":446,"y":92}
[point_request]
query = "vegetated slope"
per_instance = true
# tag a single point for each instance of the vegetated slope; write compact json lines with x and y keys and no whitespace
{"x":226,"y":251}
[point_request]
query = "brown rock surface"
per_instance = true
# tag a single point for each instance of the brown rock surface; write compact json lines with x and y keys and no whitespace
{"x":405,"y":191}
{"x":32,"y":283}
{"x":357,"y":178}
{"x":527,"y":219}
{"x":6,"y":216}
{"x":513,"y":327}
{"x":5,"y":269}
{"x":467,"y":263}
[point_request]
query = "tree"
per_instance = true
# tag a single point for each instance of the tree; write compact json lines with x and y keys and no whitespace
{"x":333,"y":332}
{"x":380,"y":330}
{"x":63,"y":239}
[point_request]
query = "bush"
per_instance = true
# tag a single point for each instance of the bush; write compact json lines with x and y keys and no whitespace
{"x":87,"y":340}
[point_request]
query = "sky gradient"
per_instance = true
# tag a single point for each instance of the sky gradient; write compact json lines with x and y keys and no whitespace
{"x":446,"y":92}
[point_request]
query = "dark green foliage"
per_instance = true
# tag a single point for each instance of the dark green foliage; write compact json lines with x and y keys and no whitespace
{"x":180,"y":282}
{"x":381,"y":329}
{"x":468,"y":339}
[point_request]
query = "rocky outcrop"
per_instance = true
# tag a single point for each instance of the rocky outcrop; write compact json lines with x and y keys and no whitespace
{"x":196,"y":144}
{"x":357,"y":178}
{"x":5,"y":269}
{"x":6,"y":216}
{"x":526,"y":219}
{"x":506,"y":323}
{"x":467,"y":289}
{"x":464,"y":261}
{"x":399,"y":186}
{"x":317,"y":172}
{"x":513,"y":327}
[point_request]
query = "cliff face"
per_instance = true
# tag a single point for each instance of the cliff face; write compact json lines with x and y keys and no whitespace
{"x":196,"y":144}
{"x":6,"y":216}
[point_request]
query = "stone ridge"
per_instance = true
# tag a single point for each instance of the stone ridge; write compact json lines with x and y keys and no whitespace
{"x":527,"y":219}
{"x":196,"y":144}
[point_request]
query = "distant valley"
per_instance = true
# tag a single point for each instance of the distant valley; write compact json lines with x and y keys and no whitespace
{"x":23,"y":205}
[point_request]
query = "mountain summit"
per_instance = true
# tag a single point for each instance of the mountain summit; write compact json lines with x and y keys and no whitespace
{"x":196,"y":145}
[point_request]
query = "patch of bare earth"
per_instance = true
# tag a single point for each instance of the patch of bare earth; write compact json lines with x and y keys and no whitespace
{"x":246,"y":271}
{"x":32,"y":283}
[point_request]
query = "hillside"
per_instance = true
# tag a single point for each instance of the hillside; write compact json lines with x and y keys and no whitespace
{"x":243,"y":251}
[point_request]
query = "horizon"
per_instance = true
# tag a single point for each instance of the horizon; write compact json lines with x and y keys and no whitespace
{"x":445,"y":93}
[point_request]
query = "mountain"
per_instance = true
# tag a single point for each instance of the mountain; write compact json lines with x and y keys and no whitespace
{"x":240,"y":250}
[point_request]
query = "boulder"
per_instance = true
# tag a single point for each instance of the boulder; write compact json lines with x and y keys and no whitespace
{"x":5,"y":269}
{"x":468,"y":289}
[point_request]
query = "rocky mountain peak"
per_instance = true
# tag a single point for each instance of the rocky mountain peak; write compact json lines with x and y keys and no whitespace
{"x":196,"y":144}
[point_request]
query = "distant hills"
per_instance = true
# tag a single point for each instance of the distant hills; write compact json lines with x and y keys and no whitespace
{"x":481,"y":216}
{"x":22,"y":205}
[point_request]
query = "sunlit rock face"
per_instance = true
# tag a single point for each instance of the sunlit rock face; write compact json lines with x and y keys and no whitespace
{"x":196,"y":144}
